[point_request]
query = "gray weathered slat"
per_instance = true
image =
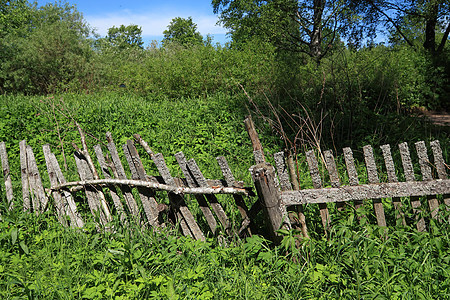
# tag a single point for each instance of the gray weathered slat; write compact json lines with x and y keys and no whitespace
{"x":296,"y":216}
{"x":441,"y":167}
{"x":333,"y":173}
{"x":24,"y":176}
{"x":282,"y":171}
{"x":372,"y":175}
{"x":71,"y":207}
{"x":408,"y":170}
{"x":426,"y":175}
{"x":365,"y":191}
{"x":392,"y":177}
{"x":317,"y":183}
{"x":85,"y":173}
{"x":183,"y":213}
{"x":128,"y":195}
{"x":238,"y":199}
{"x":6,"y":176}
{"x":112,"y":189}
{"x":138,"y":173}
{"x":212,"y":199}
{"x":182,"y":162}
{"x":40,"y":199}
{"x":352,"y":173}
{"x":60,"y":208}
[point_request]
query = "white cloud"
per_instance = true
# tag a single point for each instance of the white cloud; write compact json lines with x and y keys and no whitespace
{"x":152,"y":24}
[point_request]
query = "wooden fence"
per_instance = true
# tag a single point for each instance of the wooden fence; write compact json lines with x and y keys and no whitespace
{"x":134,"y":199}
{"x":279,"y":193}
{"x":112,"y":192}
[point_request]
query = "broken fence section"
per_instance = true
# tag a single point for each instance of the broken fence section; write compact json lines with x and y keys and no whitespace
{"x":279,"y":197}
{"x":145,"y":209}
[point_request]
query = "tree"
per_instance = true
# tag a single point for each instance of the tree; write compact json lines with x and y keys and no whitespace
{"x":14,"y":15}
{"x":48,"y":52}
{"x":311,"y":27}
{"x":125,"y":37}
{"x":409,"y":21}
{"x":182,"y":31}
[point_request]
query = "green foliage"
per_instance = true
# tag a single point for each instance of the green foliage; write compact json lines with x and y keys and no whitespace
{"x":41,"y":259}
{"x":182,"y":31}
{"x":125,"y":37}
{"x":53,"y":54}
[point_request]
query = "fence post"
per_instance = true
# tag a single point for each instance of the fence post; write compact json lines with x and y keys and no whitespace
{"x":264,"y":179}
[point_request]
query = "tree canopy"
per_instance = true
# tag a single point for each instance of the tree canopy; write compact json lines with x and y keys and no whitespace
{"x":182,"y":31}
{"x":125,"y":37}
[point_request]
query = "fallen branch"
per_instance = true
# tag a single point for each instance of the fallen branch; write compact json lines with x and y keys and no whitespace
{"x":154,"y":186}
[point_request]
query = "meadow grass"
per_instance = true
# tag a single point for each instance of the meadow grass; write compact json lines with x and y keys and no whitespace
{"x":40,"y":259}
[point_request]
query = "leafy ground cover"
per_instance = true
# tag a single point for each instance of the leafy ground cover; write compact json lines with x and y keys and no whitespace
{"x":41,"y":259}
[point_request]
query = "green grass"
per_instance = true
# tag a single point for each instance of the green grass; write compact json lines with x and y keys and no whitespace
{"x":39,"y":259}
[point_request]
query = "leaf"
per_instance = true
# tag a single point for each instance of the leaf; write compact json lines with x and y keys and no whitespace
{"x":24,"y":247}
{"x":14,"y":233}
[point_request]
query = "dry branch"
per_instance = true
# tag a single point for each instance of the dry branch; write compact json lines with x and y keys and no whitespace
{"x":155,"y":186}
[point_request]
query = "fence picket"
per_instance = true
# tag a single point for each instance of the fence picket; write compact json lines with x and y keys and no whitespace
{"x":392,"y":177}
{"x":440,"y":168}
{"x":112,"y":189}
{"x":6,"y":176}
{"x":183,"y":212}
{"x":147,"y":196}
{"x":212,"y":199}
{"x":182,"y":162}
{"x":238,"y":199}
{"x":333,"y":173}
{"x":34,"y":179}
{"x":410,"y":177}
{"x":60,"y":207}
{"x":426,"y":175}
{"x":92,"y":193}
{"x":372,"y":175}
{"x":128,"y":195}
{"x":352,"y":173}
{"x":317,"y":183}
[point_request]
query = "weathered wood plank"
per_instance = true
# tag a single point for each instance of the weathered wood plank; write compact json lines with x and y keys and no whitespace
{"x":333,"y":173}
{"x":112,"y":189}
{"x":282,"y":171}
{"x":257,"y":147}
{"x":40,"y":199}
{"x":264,"y":179}
{"x":128,"y":195}
{"x":296,"y":216}
{"x":317,"y":183}
{"x":71,"y":208}
{"x":59,"y":205}
{"x":6,"y":176}
{"x":185,"y":215}
{"x":372,"y":175}
{"x":138,"y":173}
{"x":352,"y":173}
{"x":441,"y":167}
{"x":365,"y":191}
{"x":426,"y":175}
{"x":238,"y":199}
{"x":24,"y":176}
{"x":408,"y":170}
{"x":92,"y":193}
{"x":182,"y":162}
{"x":392,"y":177}
{"x":215,"y":205}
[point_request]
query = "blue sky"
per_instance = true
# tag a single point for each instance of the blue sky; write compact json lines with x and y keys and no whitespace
{"x":152,"y":16}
